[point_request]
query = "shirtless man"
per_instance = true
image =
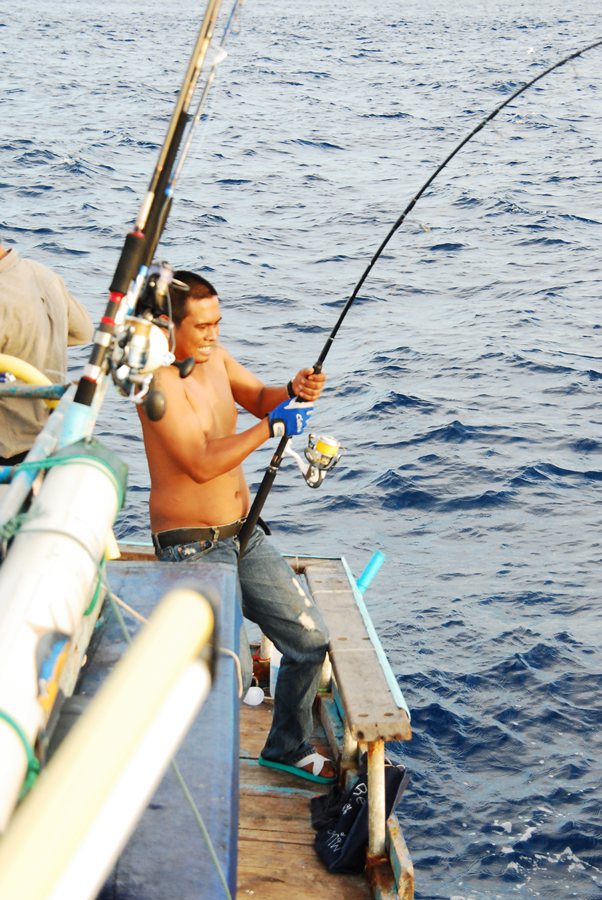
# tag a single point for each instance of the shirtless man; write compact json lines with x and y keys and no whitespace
{"x":199,"y":499}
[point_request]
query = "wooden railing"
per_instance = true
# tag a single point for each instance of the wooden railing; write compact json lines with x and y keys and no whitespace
{"x":370,"y":709}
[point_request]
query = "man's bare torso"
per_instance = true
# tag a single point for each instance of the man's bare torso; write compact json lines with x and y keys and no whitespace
{"x":205,"y":401}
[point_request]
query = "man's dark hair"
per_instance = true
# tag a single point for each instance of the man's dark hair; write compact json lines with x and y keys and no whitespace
{"x":198,"y":289}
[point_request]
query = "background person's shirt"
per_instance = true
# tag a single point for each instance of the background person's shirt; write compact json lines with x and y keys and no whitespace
{"x":38,"y":320}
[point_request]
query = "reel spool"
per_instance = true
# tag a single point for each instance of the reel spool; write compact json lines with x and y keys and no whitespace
{"x":322,"y":453}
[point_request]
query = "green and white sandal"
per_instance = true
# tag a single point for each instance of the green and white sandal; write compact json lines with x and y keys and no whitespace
{"x":315,"y":759}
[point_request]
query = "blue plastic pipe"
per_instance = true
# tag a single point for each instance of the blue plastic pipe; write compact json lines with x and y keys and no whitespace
{"x":371,"y":569}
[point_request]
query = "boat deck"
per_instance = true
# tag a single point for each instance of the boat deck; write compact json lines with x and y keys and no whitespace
{"x":276,"y":857}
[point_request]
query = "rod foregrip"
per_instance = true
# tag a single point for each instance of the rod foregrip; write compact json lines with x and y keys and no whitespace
{"x":320,"y":361}
{"x":129,"y":263}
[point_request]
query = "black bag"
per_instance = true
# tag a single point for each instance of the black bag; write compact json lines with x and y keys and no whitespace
{"x":341,"y":820}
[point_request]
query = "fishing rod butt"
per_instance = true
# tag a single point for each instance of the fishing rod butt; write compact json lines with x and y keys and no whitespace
{"x":262,"y":495}
{"x":84,"y":394}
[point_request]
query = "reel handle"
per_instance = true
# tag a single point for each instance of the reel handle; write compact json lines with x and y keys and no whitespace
{"x":154,"y":405}
{"x":185,"y":367}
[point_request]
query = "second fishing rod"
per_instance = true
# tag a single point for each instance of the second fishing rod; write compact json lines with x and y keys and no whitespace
{"x":274,"y":465}
{"x":139,"y":288}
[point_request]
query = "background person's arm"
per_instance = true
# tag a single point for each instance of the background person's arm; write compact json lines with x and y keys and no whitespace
{"x":80,"y":325}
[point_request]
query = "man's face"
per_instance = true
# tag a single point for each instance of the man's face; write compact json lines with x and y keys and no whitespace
{"x":198,"y":332}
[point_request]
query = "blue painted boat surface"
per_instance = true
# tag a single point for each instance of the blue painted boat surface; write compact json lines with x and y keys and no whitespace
{"x":165,"y":856}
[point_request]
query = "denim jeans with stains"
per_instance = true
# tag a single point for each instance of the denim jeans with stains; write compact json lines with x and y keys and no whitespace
{"x":273,"y":598}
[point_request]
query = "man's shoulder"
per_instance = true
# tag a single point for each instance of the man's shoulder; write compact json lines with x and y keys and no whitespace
{"x":49,"y":283}
{"x":168,"y":380}
{"x":168,"y":377}
{"x":225,"y":357}
{"x":40,"y":270}
{"x":15,"y":261}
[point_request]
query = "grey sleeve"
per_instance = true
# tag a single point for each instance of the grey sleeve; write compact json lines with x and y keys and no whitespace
{"x":80,"y":326}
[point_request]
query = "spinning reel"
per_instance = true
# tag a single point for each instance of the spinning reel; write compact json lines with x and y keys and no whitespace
{"x":322,"y":453}
{"x":144,"y":342}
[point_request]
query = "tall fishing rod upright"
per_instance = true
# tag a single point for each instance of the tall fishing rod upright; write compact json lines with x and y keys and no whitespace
{"x":140,"y":244}
{"x":272,"y":469}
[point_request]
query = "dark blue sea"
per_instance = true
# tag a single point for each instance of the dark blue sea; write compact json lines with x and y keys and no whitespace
{"x":465,"y":384}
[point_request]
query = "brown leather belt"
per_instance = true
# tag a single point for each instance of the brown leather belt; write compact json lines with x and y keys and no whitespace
{"x":174,"y":536}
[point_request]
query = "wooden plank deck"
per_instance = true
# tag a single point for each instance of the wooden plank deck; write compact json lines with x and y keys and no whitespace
{"x":276,"y":857}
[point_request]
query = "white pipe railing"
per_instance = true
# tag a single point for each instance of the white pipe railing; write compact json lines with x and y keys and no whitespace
{"x":66,"y":835}
{"x":47,"y":581}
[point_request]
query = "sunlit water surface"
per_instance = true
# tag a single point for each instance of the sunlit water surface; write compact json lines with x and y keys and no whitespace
{"x":464,"y":384}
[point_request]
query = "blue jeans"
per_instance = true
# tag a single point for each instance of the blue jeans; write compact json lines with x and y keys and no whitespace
{"x":274,"y":598}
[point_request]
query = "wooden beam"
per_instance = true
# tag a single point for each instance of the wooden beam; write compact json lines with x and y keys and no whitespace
{"x":371,"y":711}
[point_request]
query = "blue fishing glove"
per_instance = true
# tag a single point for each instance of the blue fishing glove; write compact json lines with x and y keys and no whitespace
{"x":289,"y":417}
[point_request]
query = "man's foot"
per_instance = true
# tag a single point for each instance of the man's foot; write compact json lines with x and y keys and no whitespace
{"x":312,"y":766}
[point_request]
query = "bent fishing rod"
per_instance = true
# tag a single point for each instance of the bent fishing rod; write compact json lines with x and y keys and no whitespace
{"x":274,"y":465}
{"x":138,"y":292}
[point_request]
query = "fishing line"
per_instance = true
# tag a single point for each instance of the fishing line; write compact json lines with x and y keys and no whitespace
{"x":271,"y":471}
{"x":219,"y":56}
{"x":116,"y":602}
{"x":429,"y":181}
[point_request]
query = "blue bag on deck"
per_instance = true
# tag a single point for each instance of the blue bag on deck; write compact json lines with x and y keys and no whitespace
{"x":341,"y":820}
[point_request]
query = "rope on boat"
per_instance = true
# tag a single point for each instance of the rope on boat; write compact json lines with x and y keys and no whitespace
{"x":33,"y":763}
{"x":9,"y":529}
{"x":117,"y":604}
{"x":202,"y":827}
{"x":99,"y":585}
{"x":225,"y":651}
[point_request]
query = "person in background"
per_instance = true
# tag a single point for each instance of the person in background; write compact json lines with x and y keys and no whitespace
{"x":199,"y":500}
{"x":39,"y":319}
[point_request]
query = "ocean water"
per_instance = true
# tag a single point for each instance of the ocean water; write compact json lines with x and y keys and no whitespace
{"x":464,"y":385}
